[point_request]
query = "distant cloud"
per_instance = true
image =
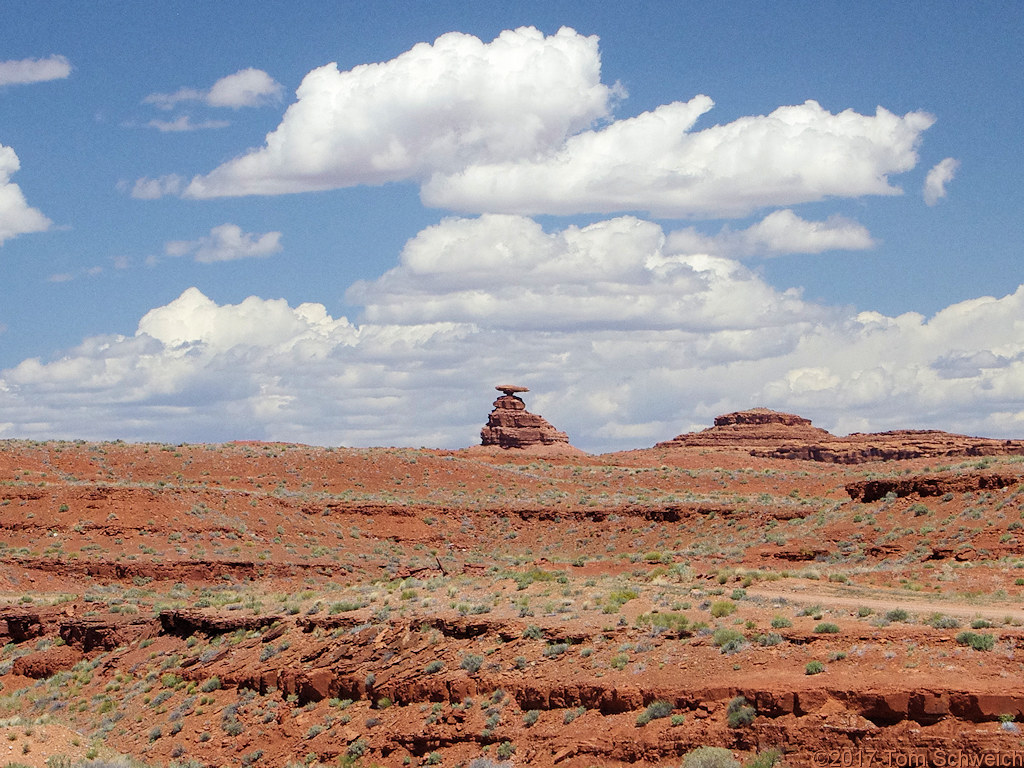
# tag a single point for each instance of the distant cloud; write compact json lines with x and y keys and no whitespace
{"x":779,"y":232}
{"x":26,"y":71}
{"x":245,"y":88}
{"x":184,"y":123}
{"x":436,"y":107}
{"x":16,"y":216}
{"x":153,"y":189}
{"x":508,"y":126}
{"x":226,"y":242}
{"x":623,"y":341}
{"x":937,"y":179}
{"x":653,"y":162}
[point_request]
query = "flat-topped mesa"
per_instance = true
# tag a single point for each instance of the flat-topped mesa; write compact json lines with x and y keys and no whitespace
{"x":510,"y":425}
{"x":754,"y":427}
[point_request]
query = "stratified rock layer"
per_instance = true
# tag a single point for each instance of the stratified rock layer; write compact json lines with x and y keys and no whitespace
{"x":756,"y":427}
{"x":510,"y":425}
{"x":776,"y":435}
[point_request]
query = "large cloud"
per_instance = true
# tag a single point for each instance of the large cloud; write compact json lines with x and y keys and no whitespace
{"x":419,"y":367}
{"x":435,"y":107}
{"x":507,"y":127}
{"x":16,"y":216}
{"x":26,"y":71}
{"x":653,"y":162}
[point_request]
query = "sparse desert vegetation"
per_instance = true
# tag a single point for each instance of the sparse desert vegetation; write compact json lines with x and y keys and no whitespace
{"x":272,"y":605}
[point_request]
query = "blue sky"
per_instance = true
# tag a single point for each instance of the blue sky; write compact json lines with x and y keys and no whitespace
{"x":663,"y":212}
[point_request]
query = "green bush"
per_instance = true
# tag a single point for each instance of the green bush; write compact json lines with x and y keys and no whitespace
{"x":765,"y":759}
{"x":471,"y":662}
{"x":814,"y":668}
{"x":781,"y":622}
{"x":722,"y":608}
{"x":979,"y":641}
{"x":897,"y":614}
{"x":533,"y":632}
{"x":942,"y":622}
{"x":727,"y":639}
{"x":210,"y":684}
{"x":433,"y":667}
{"x":655,"y":710}
{"x":531,"y":717}
{"x":739,"y":713}
{"x":670,"y":621}
{"x":827,"y":628}
{"x":710,"y":757}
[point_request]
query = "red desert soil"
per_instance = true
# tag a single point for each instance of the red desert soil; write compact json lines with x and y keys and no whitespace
{"x":266,"y":604}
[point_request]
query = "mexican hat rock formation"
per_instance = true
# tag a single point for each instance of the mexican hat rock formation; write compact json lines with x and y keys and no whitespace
{"x":510,"y":425}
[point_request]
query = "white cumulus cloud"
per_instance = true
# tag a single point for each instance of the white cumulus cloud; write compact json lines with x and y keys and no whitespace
{"x":246,"y":88}
{"x":654,"y":162}
{"x":509,"y":126}
{"x":937,"y":179}
{"x":16,"y":216}
{"x":623,"y":341}
{"x":26,"y":71}
{"x":226,"y":242}
{"x":778,"y":233}
{"x":435,"y":107}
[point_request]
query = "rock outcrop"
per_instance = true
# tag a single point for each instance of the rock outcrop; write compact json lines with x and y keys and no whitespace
{"x":775,"y":435}
{"x":755,"y":427}
{"x":510,"y":425}
{"x":859,"y":448}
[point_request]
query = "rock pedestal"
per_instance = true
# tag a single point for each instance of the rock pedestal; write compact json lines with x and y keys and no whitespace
{"x":510,"y":425}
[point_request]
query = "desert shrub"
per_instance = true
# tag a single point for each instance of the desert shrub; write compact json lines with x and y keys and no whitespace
{"x":433,"y":667}
{"x":810,"y":610}
{"x":710,"y":757}
{"x":531,"y":717}
{"x":814,"y":668}
{"x":765,"y":759}
{"x":827,"y":628}
{"x":942,"y":622}
{"x":358,"y":747}
{"x":739,"y":713}
{"x":728,"y":640}
{"x":533,"y":632}
{"x":572,"y":714}
{"x":897,"y":614}
{"x":864,"y":611}
{"x":772,"y":638}
{"x":505,"y":750}
{"x":210,"y":684}
{"x":781,"y":622}
{"x":981,"y":624}
{"x":619,"y":661}
{"x":674,"y":622}
{"x":676,"y":720}
{"x":722,"y":608}
{"x":471,"y":662}
{"x":314,"y":731}
{"x":555,"y":649}
{"x":979,"y":641}
{"x":655,"y":710}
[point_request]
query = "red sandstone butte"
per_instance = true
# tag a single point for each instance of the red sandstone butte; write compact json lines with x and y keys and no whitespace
{"x":510,"y":425}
